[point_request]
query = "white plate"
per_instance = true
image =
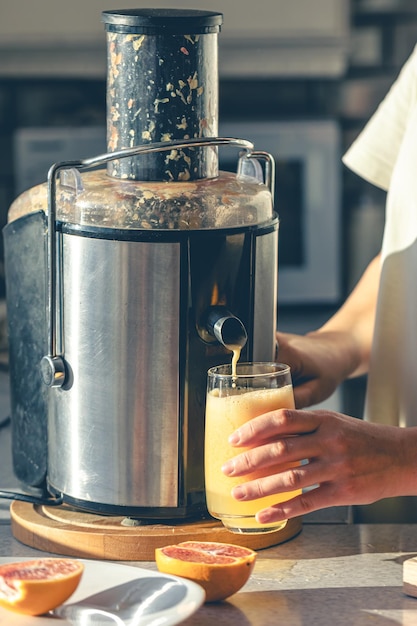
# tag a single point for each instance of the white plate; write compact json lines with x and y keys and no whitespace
{"x":100,"y":575}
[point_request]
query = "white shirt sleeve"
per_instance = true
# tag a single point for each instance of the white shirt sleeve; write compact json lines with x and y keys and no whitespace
{"x":374,"y":153}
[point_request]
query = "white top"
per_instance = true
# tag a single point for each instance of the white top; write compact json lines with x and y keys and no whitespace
{"x":385,"y":154}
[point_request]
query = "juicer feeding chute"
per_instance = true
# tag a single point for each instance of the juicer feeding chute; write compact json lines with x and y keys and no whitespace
{"x":147,"y":263}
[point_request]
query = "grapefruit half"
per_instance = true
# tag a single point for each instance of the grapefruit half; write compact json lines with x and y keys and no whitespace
{"x":37,"y":586}
{"x":220,"y":568}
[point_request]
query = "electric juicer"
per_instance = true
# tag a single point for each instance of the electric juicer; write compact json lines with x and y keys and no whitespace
{"x":129,"y":274}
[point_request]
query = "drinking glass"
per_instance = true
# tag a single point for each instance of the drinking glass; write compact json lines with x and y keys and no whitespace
{"x":231,"y":401}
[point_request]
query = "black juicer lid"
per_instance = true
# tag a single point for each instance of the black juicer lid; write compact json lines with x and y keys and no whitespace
{"x":170,"y":21}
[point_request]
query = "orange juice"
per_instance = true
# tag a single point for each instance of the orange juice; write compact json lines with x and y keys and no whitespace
{"x":224,"y":414}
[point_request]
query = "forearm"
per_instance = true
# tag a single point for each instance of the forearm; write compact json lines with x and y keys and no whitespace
{"x":356,"y":317}
{"x":340,"y":349}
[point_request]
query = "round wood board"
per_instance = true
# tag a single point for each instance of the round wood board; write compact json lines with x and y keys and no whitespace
{"x":67,"y":531}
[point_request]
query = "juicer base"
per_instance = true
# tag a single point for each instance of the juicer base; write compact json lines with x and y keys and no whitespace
{"x":70,"y":532}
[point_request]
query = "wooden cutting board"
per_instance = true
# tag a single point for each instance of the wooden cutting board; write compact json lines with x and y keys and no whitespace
{"x":70,"y":532}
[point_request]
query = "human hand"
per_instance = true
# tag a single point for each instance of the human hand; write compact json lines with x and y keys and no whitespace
{"x":319,"y":362}
{"x":349,"y":461}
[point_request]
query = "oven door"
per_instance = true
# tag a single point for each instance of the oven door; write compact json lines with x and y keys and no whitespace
{"x":308,"y":201}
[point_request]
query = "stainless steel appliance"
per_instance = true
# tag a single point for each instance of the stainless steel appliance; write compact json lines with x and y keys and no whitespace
{"x":125,"y":284}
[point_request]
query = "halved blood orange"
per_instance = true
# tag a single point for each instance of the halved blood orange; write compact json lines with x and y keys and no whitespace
{"x":37,"y":586}
{"x":220,"y":568}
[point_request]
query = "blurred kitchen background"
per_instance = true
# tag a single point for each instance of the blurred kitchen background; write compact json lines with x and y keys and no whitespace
{"x":299,"y":78}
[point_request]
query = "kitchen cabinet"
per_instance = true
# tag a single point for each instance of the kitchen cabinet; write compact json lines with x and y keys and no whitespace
{"x":271,"y":38}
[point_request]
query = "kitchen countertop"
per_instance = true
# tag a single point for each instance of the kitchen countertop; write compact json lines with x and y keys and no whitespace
{"x":331,"y":573}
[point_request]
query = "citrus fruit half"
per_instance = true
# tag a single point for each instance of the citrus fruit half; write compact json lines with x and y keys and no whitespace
{"x":220,"y":568}
{"x":37,"y":586}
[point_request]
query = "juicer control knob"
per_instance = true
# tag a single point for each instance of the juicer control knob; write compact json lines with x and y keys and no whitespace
{"x":53,"y":371}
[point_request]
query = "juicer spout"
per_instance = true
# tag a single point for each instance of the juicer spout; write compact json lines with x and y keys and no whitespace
{"x":228,"y":329}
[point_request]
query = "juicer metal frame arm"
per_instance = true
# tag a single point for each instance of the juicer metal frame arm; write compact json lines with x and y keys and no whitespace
{"x":53,"y":368}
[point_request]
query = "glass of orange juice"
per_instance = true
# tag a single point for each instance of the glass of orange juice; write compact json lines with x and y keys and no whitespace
{"x":231,"y":401}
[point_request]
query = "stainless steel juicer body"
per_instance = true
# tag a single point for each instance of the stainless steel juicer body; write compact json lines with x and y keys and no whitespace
{"x":112,"y":278}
